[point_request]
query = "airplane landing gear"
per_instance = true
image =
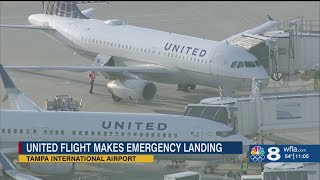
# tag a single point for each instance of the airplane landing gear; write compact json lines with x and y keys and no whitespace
{"x":209,"y":168}
{"x":186,"y":87}
{"x":116,"y":98}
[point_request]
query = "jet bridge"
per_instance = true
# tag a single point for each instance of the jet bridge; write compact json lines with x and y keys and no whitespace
{"x":264,"y":115}
{"x":289,"y":53}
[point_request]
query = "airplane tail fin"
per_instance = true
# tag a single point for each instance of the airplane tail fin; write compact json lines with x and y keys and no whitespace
{"x":62,"y":8}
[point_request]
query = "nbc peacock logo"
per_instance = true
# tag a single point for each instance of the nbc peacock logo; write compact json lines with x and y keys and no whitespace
{"x":257,"y":154}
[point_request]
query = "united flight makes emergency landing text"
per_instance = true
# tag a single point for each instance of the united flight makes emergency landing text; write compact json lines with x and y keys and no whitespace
{"x":121,"y":147}
{"x":124,"y":147}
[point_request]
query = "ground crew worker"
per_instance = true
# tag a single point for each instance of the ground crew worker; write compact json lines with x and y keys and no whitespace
{"x":91,"y":77}
{"x":244,"y":167}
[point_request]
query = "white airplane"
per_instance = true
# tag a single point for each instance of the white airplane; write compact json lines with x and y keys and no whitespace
{"x":30,"y":123}
{"x":132,"y":57}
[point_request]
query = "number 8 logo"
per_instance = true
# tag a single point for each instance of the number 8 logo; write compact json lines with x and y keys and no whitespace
{"x":273,"y":154}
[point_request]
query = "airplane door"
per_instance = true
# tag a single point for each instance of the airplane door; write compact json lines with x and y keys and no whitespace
{"x":208,"y":135}
{"x":72,"y":31}
{"x":197,"y":133}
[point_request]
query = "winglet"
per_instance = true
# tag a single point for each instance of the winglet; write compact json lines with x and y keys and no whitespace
{"x":270,"y":18}
{"x":15,"y":96}
{"x":7,"y":82}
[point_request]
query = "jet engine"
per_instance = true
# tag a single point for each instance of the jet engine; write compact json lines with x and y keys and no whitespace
{"x":50,"y":168}
{"x":132,"y":90}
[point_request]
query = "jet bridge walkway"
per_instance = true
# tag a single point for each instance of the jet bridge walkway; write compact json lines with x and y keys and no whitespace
{"x":289,"y":53}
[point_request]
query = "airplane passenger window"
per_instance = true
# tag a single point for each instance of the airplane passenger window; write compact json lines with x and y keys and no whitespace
{"x":81,"y":38}
{"x":99,"y":133}
{"x":201,"y":60}
{"x":234,"y":64}
{"x":179,"y":56}
{"x":80,"y":133}
{"x":249,"y":64}
{"x":3,"y":131}
{"x":152,"y":51}
{"x":152,"y":134}
{"x":169,"y":135}
{"x":129,"y":134}
{"x":198,"y":60}
{"x":97,"y":41}
{"x":172,"y":55}
{"x":15,"y":131}
{"x":105,"y":133}
{"x":141,"y":49}
{"x":122,"y":133}
{"x":108,"y":43}
{"x":159,"y":53}
{"x":92,"y":40}
{"x":145,"y":50}
{"x":135,"y":134}
{"x":62,"y":132}
{"x":122,"y":46}
{"x":74,"y":133}
{"x":104,"y":43}
{"x":116,"y":133}
{"x":92,"y":133}
{"x":28,"y":131}
{"x":168,"y":54}
{"x":141,"y":134}
{"x":118,"y":45}
{"x":110,"y":133}
{"x":164,"y":135}
{"x":175,"y":135}
{"x":100,"y":42}
{"x":57,"y":132}
{"x":86,"y":133}
{"x":34,"y":131}
{"x":158,"y":135}
{"x":147,"y":134}
{"x":164,"y":54}
{"x":45,"y":131}
{"x":51,"y":132}
{"x":111,"y":44}
{"x":148,"y":50}
{"x":21,"y":131}
{"x":240,"y":65}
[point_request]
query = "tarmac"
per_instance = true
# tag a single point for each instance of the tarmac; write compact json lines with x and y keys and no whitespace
{"x":205,"y":19}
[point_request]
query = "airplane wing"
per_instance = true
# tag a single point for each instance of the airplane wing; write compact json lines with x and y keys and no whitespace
{"x":27,"y":27}
{"x":116,"y":70}
{"x":259,"y":30}
{"x":16,"y":97}
{"x":12,"y":171}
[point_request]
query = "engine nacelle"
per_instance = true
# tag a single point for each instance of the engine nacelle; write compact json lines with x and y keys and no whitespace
{"x":50,"y":168}
{"x":132,"y":90}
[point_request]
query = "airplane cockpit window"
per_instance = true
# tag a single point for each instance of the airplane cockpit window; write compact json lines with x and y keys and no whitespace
{"x":226,"y":133}
{"x":240,"y":65}
{"x":249,"y":64}
{"x":234,"y":64}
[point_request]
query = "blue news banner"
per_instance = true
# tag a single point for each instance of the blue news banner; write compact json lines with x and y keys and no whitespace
{"x":67,"y":147}
{"x":284,"y":153}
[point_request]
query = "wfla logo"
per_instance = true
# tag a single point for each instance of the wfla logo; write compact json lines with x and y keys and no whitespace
{"x":257,"y":154}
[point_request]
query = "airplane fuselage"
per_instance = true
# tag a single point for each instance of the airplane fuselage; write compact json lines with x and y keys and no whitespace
{"x":103,"y":126}
{"x":196,"y":60}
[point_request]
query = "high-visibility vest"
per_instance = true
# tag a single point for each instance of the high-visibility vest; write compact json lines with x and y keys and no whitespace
{"x":244,"y":166}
